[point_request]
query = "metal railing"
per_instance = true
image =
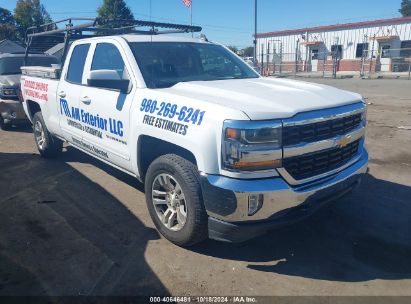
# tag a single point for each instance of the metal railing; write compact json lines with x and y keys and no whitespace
{"x":68,"y":29}
{"x":384,"y":61}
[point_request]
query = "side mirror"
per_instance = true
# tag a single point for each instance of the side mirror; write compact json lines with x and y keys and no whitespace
{"x":108,"y":79}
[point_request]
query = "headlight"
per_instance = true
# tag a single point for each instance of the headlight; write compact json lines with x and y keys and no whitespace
{"x":364,"y":114}
{"x":8,"y":92}
{"x":251,"y":146}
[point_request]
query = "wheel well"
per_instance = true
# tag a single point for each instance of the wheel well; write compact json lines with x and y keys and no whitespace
{"x":33,"y":108}
{"x":150,"y":148}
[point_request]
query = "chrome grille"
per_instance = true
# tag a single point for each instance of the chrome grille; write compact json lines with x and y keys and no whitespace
{"x":313,"y":164}
{"x":312,"y":132}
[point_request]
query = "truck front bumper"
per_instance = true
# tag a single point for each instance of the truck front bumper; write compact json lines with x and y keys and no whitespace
{"x":226,"y":200}
{"x":12,"y":111}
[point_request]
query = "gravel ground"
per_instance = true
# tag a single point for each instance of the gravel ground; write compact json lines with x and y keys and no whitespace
{"x":74,"y":226}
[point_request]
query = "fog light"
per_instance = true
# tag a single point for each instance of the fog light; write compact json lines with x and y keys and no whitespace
{"x":13,"y":114}
{"x":255,"y":202}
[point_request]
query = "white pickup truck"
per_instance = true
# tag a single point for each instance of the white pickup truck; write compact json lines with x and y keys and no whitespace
{"x":223,"y":152}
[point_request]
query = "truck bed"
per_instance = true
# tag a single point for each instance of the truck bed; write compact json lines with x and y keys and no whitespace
{"x":42,"y":72}
{"x":39,"y":85}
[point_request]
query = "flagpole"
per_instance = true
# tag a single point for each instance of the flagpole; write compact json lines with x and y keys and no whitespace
{"x":150,"y":10}
{"x":191,"y":17}
{"x":255,"y":33}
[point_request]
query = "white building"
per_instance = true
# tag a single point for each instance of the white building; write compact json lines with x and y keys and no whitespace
{"x":385,"y":45}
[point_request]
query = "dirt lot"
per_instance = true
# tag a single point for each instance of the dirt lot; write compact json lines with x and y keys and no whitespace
{"x":74,"y":226}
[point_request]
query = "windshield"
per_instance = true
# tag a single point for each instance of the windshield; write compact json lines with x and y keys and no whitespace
{"x":12,"y":65}
{"x":164,"y":64}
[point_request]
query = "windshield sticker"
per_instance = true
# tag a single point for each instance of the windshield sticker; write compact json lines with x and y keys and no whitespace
{"x":92,"y":124}
{"x":172,"y":111}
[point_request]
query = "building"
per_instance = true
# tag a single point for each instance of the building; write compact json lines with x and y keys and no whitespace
{"x":379,"y":45}
{"x":56,"y":50}
{"x":8,"y":46}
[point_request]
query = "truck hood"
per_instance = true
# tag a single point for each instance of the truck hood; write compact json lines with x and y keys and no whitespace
{"x":10,"y":80}
{"x":264,"y":98}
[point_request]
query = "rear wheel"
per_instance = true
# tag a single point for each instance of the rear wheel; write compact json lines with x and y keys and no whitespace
{"x":48,"y":145}
{"x":174,"y":200}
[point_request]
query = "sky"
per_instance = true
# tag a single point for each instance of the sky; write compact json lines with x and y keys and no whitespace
{"x":231,"y":22}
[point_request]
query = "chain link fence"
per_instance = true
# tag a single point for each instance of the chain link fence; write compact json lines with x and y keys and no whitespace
{"x":384,"y":62}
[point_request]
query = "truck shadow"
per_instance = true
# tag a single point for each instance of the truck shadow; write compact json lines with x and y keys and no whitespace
{"x":73,"y":155}
{"x":62,"y":234}
{"x":361,"y":237}
{"x":21,"y":128}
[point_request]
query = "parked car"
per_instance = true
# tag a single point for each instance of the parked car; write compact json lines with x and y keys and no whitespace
{"x":223,"y":152}
{"x":11,"y":109}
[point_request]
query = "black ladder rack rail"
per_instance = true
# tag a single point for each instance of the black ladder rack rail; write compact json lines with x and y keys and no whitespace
{"x":92,"y":27}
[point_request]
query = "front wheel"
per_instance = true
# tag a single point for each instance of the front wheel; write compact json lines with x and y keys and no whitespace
{"x":174,"y":200}
{"x":48,"y":145}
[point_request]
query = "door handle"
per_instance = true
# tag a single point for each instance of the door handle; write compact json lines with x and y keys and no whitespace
{"x":62,"y":94}
{"x":86,"y":100}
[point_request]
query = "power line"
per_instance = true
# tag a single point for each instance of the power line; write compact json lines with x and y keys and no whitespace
{"x":202,"y":24}
{"x":228,"y":28}
{"x":74,"y":12}
{"x":243,"y":29}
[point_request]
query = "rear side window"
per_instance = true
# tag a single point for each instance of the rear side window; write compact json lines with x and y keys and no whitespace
{"x":77,"y":62}
{"x":108,"y":57}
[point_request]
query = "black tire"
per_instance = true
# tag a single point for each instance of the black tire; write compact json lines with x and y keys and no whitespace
{"x":185,"y":173}
{"x":50,"y":146}
{"x":3,"y":125}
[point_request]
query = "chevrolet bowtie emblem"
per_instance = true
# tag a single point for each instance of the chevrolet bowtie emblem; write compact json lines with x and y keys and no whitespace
{"x":342,"y":142}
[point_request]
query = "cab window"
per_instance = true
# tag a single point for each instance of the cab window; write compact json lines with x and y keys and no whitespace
{"x":77,"y":61}
{"x":107,"y":57}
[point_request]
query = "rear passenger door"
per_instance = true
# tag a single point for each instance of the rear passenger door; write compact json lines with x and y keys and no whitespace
{"x":68,"y":93}
{"x":107,"y":111}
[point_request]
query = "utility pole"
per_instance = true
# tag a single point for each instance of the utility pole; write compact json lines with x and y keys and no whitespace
{"x":372,"y":55}
{"x":255,"y":32}
{"x":191,"y":17}
{"x":335,"y":55}
{"x":268,"y":56}
{"x":262,"y":58}
{"x":364,"y":55}
{"x":281,"y":57}
{"x":296,"y":56}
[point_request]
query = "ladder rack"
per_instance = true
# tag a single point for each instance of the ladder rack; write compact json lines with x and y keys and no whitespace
{"x":42,"y":37}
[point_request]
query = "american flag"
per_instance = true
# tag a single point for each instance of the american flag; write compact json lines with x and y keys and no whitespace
{"x":187,"y":2}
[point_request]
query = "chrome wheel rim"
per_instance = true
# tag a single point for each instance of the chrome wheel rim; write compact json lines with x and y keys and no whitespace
{"x":169,"y":202}
{"x":39,"y":135}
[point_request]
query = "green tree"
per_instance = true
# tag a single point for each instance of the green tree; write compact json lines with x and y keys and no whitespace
{"x":29,"y":13}
{"x":405,"y":9}
{"x":248,"y":51}
{"x":7,"y":25}
{"x":5,"y":16}
{"x":233,"y":48}
{"x":114,"y":9}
